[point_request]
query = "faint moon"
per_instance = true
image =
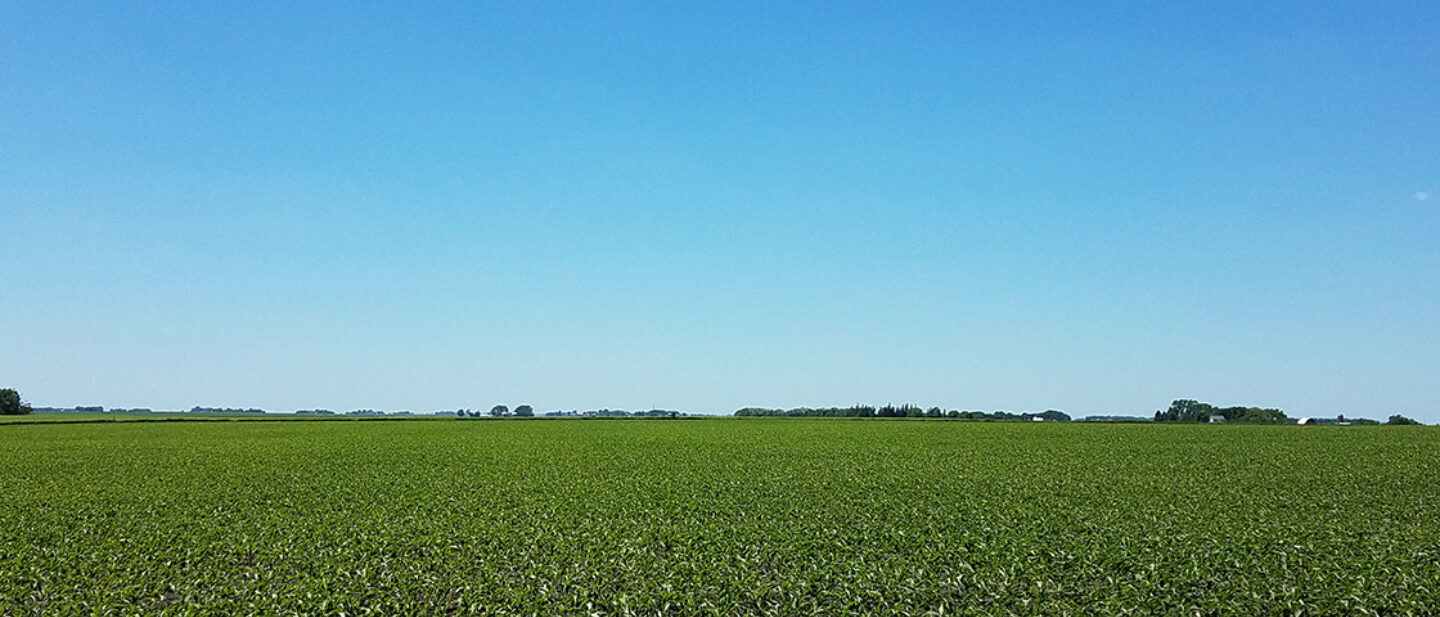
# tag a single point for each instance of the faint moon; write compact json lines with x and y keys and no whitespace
{"x":1422,"y":196}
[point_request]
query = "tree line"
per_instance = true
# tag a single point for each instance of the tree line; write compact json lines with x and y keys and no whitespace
{"x":899,"y":411}
{"x":614,"y":413}
{"x":498,"y":411}
{"x":1190,"y":410}
{"x":226,"y":410}
{"x":1180,"y":410}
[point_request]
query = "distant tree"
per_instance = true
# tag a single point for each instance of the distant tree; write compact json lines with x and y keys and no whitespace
{"x":525,"y":411}
{"x":1254,"y":415}
{"x":1399,"y":420}
{"x":1187,"y":410}
{"x":12,"y":405}
{"x":888,"y":411}
{"x":499,"y":410}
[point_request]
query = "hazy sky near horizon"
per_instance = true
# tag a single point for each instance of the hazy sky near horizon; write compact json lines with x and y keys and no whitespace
{"x":1013,"y":206}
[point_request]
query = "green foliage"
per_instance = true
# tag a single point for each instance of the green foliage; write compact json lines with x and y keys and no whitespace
{"x":225,"y":410}
{"x":525,"y":411}
{"x":1398,"y":419}
{"x":892,"y":411}
{"x":1188,"y":410}
{"x":12,"y":405}
{"x":715,"y":517}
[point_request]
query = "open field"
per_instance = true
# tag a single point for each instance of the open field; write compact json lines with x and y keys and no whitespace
{"x":721,"y":516}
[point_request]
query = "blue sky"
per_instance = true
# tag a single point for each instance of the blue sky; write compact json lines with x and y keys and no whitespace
{"x":581,"y":205}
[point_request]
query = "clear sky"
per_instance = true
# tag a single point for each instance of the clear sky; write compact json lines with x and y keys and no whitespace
{"x":704,"y":206}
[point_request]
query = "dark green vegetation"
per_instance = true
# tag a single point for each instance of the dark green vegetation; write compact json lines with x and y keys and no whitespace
{"x":1186,"y":410}
{"x":728,"y":517}
{"x":12,"y":405}
{"x":898,"y":411}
